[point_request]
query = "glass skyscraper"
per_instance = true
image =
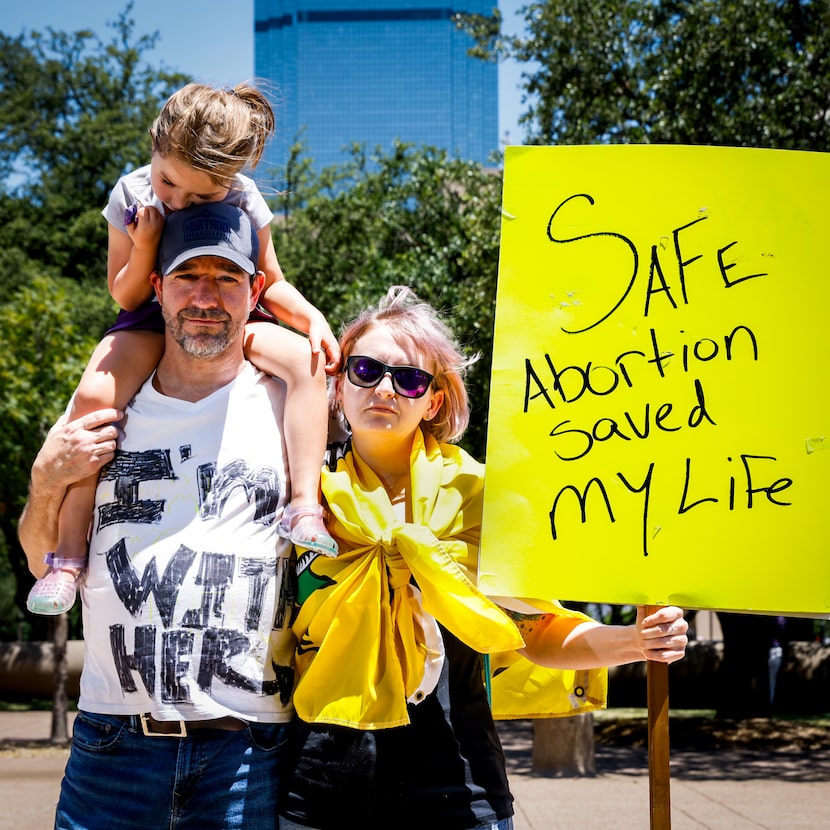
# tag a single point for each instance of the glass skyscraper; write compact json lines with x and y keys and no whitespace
{"x":372,"y":71}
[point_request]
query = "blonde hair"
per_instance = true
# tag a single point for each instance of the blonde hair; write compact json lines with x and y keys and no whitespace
{"x":216,"y":131}
{"x":418,"y":327}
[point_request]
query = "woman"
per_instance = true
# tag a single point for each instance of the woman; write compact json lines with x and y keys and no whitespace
{"x":394,"y":724}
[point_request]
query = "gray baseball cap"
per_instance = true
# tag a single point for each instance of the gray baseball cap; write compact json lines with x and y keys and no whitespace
{"x":214,"y":229}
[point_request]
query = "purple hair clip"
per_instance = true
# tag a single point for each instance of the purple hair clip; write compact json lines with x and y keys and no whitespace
{"x":131,"y":214}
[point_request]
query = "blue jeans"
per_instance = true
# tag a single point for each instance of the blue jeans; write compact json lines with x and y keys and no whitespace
{"x":287,"y":824}
{"x":118,"y":779}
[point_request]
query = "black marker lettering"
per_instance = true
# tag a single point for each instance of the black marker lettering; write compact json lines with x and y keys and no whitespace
{"x":632,"y":248}
{"x":582,"y":500}
{"x":128,"y":470}
{"x":645,"y":489}
{"x":134,"y":592}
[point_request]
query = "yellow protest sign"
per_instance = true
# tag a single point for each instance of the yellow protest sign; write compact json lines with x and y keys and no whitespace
{"x":659,"y":427}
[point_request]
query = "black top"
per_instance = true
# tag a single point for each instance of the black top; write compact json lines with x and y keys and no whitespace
{"x":443,"y":771}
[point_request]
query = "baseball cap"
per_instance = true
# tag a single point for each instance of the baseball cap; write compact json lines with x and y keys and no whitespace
{"x":209,"y":230}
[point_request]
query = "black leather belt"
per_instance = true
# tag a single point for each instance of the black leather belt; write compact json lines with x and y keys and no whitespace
{"x":153,"y":728}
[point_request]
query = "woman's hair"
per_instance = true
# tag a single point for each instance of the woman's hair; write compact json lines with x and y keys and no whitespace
{"x":216,"y":131}
{"x":418,"y":327}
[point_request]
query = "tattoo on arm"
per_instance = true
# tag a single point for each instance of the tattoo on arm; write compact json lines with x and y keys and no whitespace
{"x":526,"y":623}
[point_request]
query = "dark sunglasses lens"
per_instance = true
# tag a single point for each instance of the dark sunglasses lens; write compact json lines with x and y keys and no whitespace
{"x":364,"y":371}
{"x":412,"y":383}
{"x":409,"y":381}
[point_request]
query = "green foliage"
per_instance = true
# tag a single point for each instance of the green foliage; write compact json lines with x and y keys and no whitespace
{"x":751,"y":73}
{"x":48,"y":328}
{"x":10,"y":615}
{"x":75,"y":116}
{"x":747,"y":73}
{"x":411,"y":217}
{"x":76,"y":112}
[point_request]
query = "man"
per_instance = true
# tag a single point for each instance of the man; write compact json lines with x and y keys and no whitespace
{"x":188,"y":669}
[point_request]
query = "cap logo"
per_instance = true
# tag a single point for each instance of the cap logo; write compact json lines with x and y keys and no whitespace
{"x":203,"y":228}
{"x":223,"y":231}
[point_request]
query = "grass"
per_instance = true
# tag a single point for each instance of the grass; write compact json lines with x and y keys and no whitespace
{"x":622,"y":713}
{"x":626,"y":713}
{"x":35,"y":704}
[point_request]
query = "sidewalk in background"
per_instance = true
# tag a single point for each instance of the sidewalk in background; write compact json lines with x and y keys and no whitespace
{"x":723,"y":790}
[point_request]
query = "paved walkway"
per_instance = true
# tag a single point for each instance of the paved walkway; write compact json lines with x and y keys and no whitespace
{"x":723,"y":790}
{"x":709,"y":791}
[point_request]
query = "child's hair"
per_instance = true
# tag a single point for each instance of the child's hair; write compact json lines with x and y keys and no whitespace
{"x":216,"y":131}
{"x":416,"y":325}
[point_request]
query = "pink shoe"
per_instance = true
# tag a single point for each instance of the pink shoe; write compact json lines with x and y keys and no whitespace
{"x":53,"y":594}
{"x":303,"y":525}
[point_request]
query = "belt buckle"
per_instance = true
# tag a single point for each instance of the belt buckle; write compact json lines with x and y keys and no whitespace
{"x":145,"y":728}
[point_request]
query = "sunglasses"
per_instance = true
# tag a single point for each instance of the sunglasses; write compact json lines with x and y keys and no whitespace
{"x":409,"y":381}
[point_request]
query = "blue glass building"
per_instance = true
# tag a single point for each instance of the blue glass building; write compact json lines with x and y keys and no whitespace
{"x":373,"y":71}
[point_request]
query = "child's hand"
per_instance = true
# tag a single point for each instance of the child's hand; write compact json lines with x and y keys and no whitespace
{"x":146,"y":227}
{"x":321,"y":338}
{"x":131,"y":214}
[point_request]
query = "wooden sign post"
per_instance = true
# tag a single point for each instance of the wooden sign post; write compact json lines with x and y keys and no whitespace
{"x":659,"y":771}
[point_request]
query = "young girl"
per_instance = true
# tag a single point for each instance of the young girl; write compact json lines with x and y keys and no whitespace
{"x":201,"y":140}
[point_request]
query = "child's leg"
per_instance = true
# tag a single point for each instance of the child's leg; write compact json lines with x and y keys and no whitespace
{"x":121,"y":362}
{"x":280,"y":352}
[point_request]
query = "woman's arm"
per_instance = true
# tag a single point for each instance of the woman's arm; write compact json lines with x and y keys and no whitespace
{"x":567,"y":643}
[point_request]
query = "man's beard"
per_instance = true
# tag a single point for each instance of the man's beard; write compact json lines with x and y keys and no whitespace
{"x":207,"y":344}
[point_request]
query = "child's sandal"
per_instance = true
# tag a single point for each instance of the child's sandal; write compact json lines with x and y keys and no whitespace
{"x":303,"y":525}
{"x":51,"y":594}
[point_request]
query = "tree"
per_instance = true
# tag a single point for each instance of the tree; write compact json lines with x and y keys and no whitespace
{"x":751,"y":73}
{"x":75,"y":116}
{"x":412,"y":216}
{"x":45,"y":351}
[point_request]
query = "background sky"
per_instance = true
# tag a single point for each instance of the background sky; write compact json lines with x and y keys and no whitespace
{"x":200,"y":38}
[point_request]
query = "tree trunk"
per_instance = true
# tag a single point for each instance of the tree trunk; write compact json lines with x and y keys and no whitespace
{"x":564,"y":747}
{"x":60,"y":633}
{"x":744,"y":688}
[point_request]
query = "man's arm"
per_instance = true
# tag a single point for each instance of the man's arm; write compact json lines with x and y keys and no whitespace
{"x":72,"y":451}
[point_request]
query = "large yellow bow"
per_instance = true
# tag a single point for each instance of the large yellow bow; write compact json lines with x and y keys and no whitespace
{"x":360,"y":627}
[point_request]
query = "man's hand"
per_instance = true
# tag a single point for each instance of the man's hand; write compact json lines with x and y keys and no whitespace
{"x":74,"y":450}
